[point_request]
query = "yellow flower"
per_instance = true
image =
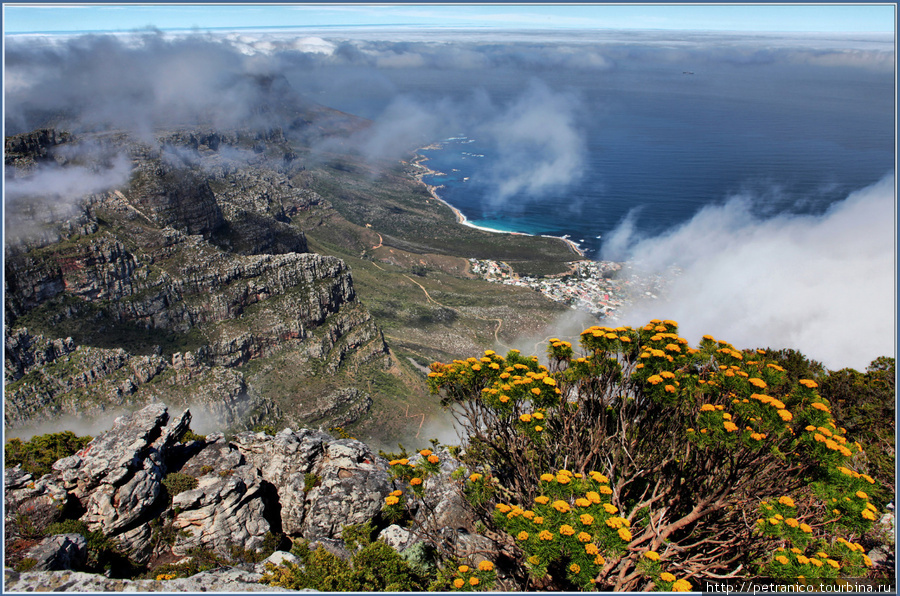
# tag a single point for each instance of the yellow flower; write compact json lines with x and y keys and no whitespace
{"x":652,"y":555}
{"x":591,"y":549}
{"x":599,"y":560}
{"x":861,"y":494}
{"x":802,"y":560}
{"x":575,"y":568}
{"x":582,"y":502}
{"x":867,"y":560}
{"x":504,"y":399}
{"x":586,"y":519}
{"x":610,"y":508}
{"x":391,"y":500}
{"x":785,"y":415}
{"x":425,"y":452}
{"x":866,"y":513}
{"x":397,"y":493}
{"x":415,"y":482}
{"x":598,"y":477}
{"x":463,"y":568}
{"x":707,"y":408}
{"x":561,"y":506}
{"x":538,"y":519}
{"x":605,"y":490}
{"x":538,"y":415}
{"x":833,"y":563}
{"x":792,"y":522}
{"x":759,"y":383}
{"x":523,"y":535}
{"x":502,"y":507}
{"x":815,"y":562}
{"x":666,"y":576}
{"x":542,"y":500}
{"x":730,"y":426}
{"x":535,"y":391}
{"x":473,"y":581}
{"x":540,"y":429}
{"x":475,"y":477}
{"x":563,"y":478}
{"x":582,"y":536}
{"x":547,"y":478}
{"x":782,"y":559}
{"x":525,"y":417}
{"x":566,"y":530}
{"x":486,"y":566}
{"x":593,"y":497}
{"x":545,"y":535}
{"x":549,"y":381}
{"x":625,"y":534}
{"x":820,"y":406}
{"x":806,"y":528}
{"x":458,"y":582}
{"x":786,"y":501}
{"x":808,"y":383}
{"x":681,"y":585}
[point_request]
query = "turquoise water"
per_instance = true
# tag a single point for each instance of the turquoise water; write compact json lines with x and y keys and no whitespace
{"x":663,"y":155}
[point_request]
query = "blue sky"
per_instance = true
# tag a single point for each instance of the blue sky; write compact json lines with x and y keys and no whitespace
{"x":68,"y":17}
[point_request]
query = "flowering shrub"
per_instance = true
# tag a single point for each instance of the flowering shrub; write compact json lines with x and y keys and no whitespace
{"x":695,"y":443}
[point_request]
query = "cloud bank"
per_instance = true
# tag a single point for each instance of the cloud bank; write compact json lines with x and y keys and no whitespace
{"x":822,"y":285}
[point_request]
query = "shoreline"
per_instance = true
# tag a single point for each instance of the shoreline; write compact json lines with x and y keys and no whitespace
{"x":462,"y":219}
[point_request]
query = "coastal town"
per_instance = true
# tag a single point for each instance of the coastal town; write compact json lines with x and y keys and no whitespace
{"x":601,"y":288}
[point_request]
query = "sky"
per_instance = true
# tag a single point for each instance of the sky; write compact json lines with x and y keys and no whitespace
{"x":71,"y":17}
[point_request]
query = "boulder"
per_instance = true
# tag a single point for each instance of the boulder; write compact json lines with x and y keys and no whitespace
{"x":62,"y":551}
{"x":352,"y":484}
{"x":37,"y":503}
{"x":226,"y":509}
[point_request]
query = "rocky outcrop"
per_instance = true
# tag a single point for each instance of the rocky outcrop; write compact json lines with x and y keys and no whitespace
{"x":230,"y":580}
{"x":62,"y":551}
{"x":134,"y":483}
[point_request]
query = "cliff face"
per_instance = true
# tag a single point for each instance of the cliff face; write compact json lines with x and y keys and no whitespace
{"x":164,"y":287}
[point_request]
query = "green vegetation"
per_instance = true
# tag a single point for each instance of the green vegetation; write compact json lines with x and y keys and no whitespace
{"x":38,"y":454}
{"x":176,"y":482}
{"x":615,"y":467}
{"x":373,"y":567}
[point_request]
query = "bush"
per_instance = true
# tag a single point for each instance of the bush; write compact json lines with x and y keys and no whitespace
{"x":374,"y":567}
{"x":696,"y":461}
{"x":39,"y":453}
{"x":176,"y":482}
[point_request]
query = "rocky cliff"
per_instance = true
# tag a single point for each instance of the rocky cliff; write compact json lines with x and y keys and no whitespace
{"x":302,"y":484}
{"x":166,"y":284}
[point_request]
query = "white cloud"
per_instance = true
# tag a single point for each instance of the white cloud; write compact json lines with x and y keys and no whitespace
{"x":821,"y":285}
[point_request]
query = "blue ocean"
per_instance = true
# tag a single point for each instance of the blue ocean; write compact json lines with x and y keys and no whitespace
{"x":660,"y":144}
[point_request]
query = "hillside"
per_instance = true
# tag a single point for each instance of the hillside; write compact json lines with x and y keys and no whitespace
{"x":247,"y":273}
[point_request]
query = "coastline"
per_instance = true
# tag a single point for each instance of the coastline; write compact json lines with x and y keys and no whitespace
{"x":462,"y":219}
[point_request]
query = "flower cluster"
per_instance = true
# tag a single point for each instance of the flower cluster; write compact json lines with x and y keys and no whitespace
{"x":573,"y":521}
{"x":478,"y":578}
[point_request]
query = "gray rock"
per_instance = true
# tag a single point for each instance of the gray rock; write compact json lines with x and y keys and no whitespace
{"x":397,"y":538}
{"x":37,"y":503}
{"x":224,"y":510}
{"x":277,"y":558}
{"x":353,"y":484}
{"x":62,"y":551}
{"x":218,"y":580}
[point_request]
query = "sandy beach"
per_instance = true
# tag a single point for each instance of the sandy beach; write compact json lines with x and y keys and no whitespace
{"x":460,"y":218}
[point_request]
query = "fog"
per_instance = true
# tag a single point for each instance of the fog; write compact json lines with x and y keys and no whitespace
{"x":823,"y":285}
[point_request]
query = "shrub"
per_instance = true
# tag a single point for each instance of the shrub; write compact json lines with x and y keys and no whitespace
{"x":374,"y":567}
{"x":38,"y":454}
{"x":176,"y":482}
{"x":680,"y":445}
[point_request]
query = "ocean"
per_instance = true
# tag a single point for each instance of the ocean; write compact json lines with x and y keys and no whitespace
{"x":660,"y":143}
